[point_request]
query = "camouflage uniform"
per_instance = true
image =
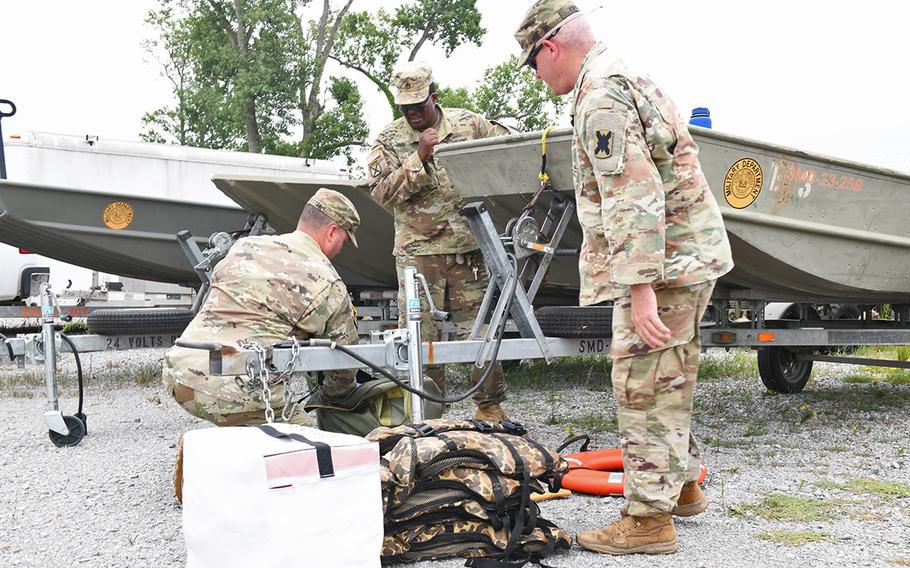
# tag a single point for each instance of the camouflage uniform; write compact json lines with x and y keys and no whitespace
{"x":647,"y":217}
{"x":266,"y":289}
{"x":430,"y":233}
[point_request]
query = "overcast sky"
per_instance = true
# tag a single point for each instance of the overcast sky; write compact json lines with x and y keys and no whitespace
{"x":827,"y":77}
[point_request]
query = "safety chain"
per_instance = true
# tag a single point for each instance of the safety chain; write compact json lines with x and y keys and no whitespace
{"x":260,"y":380}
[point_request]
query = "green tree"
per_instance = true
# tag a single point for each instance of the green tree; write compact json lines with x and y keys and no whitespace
{"x":514,"y":95}
{"x":372,"y":43}
{"x":509,"y":95}
{"x":246,"y":74}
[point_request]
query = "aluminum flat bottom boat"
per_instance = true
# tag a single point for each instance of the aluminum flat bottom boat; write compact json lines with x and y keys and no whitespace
{"x":118,"y":234}
{"x":280,"y":201}
{"x":372,"y":266}
{"x":803,"y":227}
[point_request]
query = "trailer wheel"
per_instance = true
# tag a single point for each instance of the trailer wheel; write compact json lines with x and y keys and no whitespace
{"x":146,"y":321}
{"x":780,"y":370}
{"x":576,"y":321}
{"x":77,"y":432}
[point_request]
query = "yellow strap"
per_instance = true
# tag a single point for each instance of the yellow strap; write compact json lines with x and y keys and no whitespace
{"x":543,"y":140}
{"x":543,"y":176}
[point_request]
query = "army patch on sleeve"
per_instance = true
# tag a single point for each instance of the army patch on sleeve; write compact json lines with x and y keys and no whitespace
{"x":604,"y":146}
{"x":606,"y":135}
{"x":375,"y":163}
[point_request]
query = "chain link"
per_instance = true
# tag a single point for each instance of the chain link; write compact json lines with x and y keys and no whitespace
{"x":260,"y":380}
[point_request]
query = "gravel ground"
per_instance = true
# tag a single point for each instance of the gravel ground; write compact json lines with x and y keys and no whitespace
{"x":108,"y":502}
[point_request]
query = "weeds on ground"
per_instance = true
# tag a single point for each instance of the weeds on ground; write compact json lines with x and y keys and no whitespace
{"x":592,"y":423}
{"x":753,"y":430}
{"x":900,"y":561}
{"x":869,"y":486}
{"x":585,"y":372}
{"x":875,"y":398}
{"x":22,"y":384}
{"x":715,"y":443}
{"x":794,"y":538}
{"x":878,"y":375}
{"x":780,"y":507}
{"x":75,"y":327}
{"x":19,"y":385}
{"x":740,"y":364}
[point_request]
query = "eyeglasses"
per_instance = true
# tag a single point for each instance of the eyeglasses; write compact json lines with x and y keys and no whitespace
{"x":532,"y":57}
{"x":414,"y":106}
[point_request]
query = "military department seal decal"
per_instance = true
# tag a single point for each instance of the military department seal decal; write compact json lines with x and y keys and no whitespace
{"x":118,"y":215}
{"x":742,"y":183}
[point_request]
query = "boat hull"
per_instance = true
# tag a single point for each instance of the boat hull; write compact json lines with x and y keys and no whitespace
{"x":802,"y":227}
{"x":117,"y":234}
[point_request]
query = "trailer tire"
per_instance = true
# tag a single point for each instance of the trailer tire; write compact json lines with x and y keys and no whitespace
{"x":583,"y":322}
{"x":145,"y":321}
{"x":781,"y":372}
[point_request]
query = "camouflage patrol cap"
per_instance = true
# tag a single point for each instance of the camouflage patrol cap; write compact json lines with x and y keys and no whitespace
{"x":542,"y":20}
{"x":338,"y":208}
{"x":412,"y":82}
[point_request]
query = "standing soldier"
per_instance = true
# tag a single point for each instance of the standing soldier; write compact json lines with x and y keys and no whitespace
{"x":654,"y":243}
{"x":430,"y":233}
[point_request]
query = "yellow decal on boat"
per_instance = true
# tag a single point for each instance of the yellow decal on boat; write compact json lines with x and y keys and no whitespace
{"x":742,"y":183}
{"x":118,"y":215}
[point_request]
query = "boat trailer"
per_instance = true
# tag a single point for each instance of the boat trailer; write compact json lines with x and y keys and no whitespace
{"x":517,"y":261}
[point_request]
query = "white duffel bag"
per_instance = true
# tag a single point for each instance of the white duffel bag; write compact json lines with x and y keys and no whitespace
{"x":280,"y":496}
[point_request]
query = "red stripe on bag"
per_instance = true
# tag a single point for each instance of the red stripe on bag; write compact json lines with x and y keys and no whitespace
{"x":284,"y":470}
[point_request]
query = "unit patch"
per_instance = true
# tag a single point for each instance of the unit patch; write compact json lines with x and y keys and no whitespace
{"x":374,"y":163}
{"x":742,"y":183}
{"x":118,"y":215}
{"x":605,"y":138}
{"x":604,"y":147}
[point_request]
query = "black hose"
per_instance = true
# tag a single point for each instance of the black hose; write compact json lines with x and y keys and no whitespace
{"x":510,"y":295}
{"x":78,"y":370}
{"x":8,"y":347}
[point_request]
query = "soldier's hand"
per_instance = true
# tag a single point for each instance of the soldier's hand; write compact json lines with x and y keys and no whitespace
{"x":428,"y":140}
{"x":644,"y":315}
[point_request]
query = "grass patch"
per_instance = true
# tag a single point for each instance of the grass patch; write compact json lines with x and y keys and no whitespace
{"x":593,"y":423}
{"x":23,"y":384}
{"x":869,"y":486}
{"x":740,"y":364}
{"x":780,"y":507}
{"x":877,"y":375}
{"x":148,"y":375}
{"x":875,"y":398}
{"x":753,"y":430}
{"x":900,"y":561}
{"x":586,"y":372}
{"x":75,"y":327}
{"x":794,"y":538}
{"x":721,"y":443}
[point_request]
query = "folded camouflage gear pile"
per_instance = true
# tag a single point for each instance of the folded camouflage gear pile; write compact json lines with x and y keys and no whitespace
{"x":462,"y":488}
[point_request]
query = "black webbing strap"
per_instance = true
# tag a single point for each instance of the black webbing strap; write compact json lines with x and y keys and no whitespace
{"x":323,"y":450}
{"x":520,"y":526}
{"x":487,"y":562}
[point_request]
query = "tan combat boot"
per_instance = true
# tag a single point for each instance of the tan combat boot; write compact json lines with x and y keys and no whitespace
{"x":178,"y":471}
{"x":490,"y":412}
{"x":692,"y":501}
{"x":632,"y":535}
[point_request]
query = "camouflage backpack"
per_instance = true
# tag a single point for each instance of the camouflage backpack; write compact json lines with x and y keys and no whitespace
{"x":462,"y":488}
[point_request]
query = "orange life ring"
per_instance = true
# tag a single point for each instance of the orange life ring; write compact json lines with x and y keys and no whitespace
{"x":599,"y":472}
